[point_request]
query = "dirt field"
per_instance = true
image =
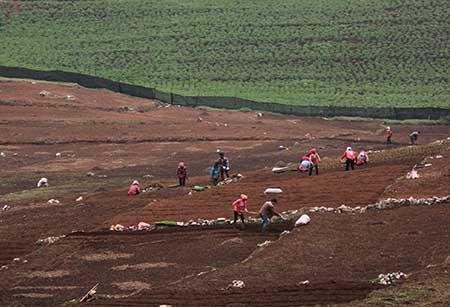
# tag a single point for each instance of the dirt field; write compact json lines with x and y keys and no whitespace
{"x":93,"y":143}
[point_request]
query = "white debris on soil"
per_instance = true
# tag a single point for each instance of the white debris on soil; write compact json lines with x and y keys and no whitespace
{"x":5,"y":208}
{"x":139,"y":227}
{"x":412,"y":174}
{"x":2,"y":154}
{"x":143,"y":226}
{"x":148,"y":176}
{"x":16,"y":259}
{"x":48,"y":240}
{"x":304,"y":283}
{"x":391,"y":278}
{"x":282,"y":147}
{"x":279,"y":169}
{"x":117,"y":227}
{"x":53,"y":201}
{"x":3,"y":267}
{"x":264,"y":244}
{"x":44,"y":93}
{"x":286,"y":232}
{"x":58,"y":154}
{"x":43,"y":182}
{"x":90,"y":295}
{"x":237,"y":284}
{"x":302,"y":220}
{"x":79,"y":199}
{"x":385,"y":204}
{"x":233,"y":178}
{"x":90,"y":174}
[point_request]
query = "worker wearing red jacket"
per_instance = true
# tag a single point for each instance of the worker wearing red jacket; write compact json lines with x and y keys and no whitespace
{"x":240,"y":207}
{"x":181,"y":174}
{"x":350,"y":157}
{"x":388,"y":135}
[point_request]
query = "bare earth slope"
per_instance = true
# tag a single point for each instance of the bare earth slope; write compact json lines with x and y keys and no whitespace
{"x":71,"y":131}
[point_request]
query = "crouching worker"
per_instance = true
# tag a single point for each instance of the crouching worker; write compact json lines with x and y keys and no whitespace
{"x":134,"y":189}
{"x":315,"y":159}
{"x":305,"y":165}
{"x":240,"y":207}
{"x":266,"y":213}
{"x":350,"y":157}
{"x":214,"y":173}
{"x":413,"y":137}
{"x":181,"y":174}
{"x":362,"y":158}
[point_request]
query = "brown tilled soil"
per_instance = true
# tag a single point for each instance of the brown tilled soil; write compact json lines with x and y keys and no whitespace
{"x":118,"y":138}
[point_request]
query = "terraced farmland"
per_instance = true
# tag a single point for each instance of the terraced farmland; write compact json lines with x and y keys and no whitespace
{"x":345,"y":53}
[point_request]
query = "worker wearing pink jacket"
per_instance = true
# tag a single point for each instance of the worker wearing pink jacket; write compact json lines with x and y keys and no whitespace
{"x":315,"y":159}
{"x":240,"y":207}
{"x":134,"y":189}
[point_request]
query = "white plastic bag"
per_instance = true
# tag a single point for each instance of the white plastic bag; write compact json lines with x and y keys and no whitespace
{"x":273,"y":191}
{"x":303,"y":220}
{"x":43,"y":182}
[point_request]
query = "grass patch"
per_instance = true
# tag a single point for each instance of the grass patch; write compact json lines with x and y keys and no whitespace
{"x":416,"y":122}
{"x":395,"y":297}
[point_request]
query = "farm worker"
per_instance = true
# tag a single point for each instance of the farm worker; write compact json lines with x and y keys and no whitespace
{"x":315,"y":159}
{"x":181,"y":174}
{"x":362,"y":158}
{"x":350,"y":157}
{"x":224,"y":165}
{"x":134,"y":189}
{"x":266,"y":212}
{"x":413,"y":137}
{"x":240,"y":207}
{"x":43,"y":182}
{"x":388,"y":135}
{"x":305,"y":164}
{"x":214,"y":172}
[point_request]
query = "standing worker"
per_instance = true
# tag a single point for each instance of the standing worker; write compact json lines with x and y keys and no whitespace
{"x":224,"y":166}
{"x":388,"y":135}
{"x":214,"y":173}
{"x":315,"y":159}
{"x":266,"y":212}
{"x":350,"y":158}
{"x":240,"y":207}
{"x":181,"y":174}
{"x":413,"y":137}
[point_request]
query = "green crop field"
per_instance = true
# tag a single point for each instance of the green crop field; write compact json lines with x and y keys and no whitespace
{"x":305,"y":52}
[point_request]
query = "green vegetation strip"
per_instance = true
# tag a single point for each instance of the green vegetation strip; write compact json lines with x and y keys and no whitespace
{"x":354,"y":53}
